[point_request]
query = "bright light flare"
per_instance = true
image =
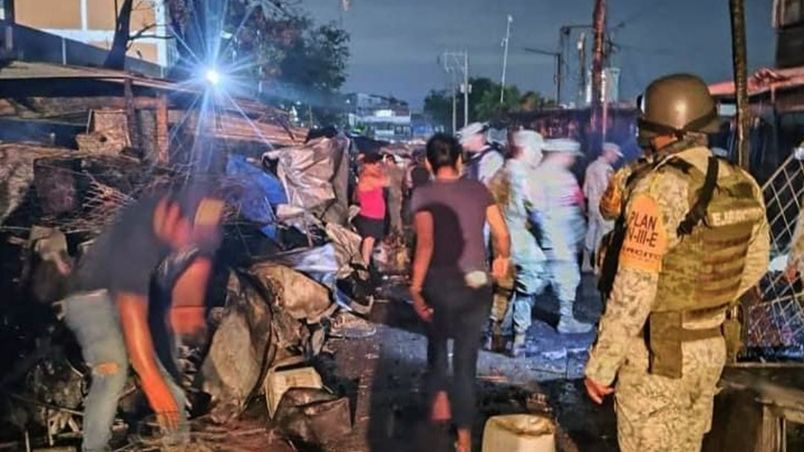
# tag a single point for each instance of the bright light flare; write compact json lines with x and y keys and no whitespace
{"x":213,"y":77}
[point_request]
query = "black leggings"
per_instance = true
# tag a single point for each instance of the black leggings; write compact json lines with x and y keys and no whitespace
{"x":460,"y":313}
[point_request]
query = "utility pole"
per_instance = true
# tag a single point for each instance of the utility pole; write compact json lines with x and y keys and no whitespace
{"x":559,"y":63}
{"x":457,"y":64}
{"x":466,"y":88}
{"x":582,"y":68}
{"x":597,"y":124}
{"x":505,"y":57}
{"x":737,"y":9}
{"x":597,"y":62}
{"x":8,"y":32}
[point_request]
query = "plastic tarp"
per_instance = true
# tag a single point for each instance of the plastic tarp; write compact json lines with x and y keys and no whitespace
{"x":258,"y":193}
{"x":320,"y":264}
{"x":315,"y":176}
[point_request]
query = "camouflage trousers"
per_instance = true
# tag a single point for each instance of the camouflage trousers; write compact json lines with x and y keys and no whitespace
{"x":661,"y":414}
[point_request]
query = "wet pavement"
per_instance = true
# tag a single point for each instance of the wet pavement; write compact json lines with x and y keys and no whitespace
{"x":384,"y":374}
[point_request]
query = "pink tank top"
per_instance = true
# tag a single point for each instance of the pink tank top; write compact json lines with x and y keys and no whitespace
{"x":372,"y":203}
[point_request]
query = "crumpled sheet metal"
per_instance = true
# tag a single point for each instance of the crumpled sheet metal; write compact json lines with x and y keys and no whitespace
{"x":267,"y":309}
{"x":347,"y":248}
{"x":308,"y":172}
{"x":239,"y":349}
{"x":297,"y":294}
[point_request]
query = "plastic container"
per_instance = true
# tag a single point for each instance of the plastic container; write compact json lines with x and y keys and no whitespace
{"x":519,"y":433}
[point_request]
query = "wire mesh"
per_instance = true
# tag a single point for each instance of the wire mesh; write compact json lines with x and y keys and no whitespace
{"x":777,"y":322}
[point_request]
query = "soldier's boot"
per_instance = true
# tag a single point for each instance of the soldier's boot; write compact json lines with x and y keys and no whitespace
{"x":518,"y":346}
{"x":493,"y":339}
{"x":567,"y":323}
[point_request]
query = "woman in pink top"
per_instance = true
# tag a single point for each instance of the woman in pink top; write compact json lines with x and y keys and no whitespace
{"x":370,"y":222}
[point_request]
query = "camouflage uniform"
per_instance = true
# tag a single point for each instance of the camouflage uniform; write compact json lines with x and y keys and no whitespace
{"x":559,"y":214}
{"x":529,"y":275}
{"x":597,"y":179}
{"x":657,"y":413}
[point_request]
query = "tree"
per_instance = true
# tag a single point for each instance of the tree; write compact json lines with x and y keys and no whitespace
{"x":264,"y":40}
{"x":490,"y":107}
{"x":484,"y":102}
{"x":116,"y":59}
{"x":438,"y":106}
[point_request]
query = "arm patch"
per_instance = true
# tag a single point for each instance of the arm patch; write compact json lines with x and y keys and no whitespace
{"x":646,"y":238}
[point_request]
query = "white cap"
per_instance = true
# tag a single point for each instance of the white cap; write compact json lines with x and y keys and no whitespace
{"x":471,"y":130}
{"x":530,"y":143}
{"x":527,"y":139}
{"x":562,"y":145}
{"x":612,"y":147}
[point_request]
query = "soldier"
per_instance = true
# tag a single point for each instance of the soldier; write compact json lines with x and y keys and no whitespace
{"x":483,"y":160}
{"x":558,"y":212}
{"x":598,"y":174}
{"x":511,"y":309}
{"x":690,"y":251}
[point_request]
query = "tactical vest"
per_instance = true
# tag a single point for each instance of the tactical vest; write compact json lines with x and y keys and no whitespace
{"x":703,"y":273}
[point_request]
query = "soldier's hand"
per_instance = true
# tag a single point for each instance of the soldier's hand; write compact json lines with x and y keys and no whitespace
{"x":791,"y":272}
{"x":596,"y":391}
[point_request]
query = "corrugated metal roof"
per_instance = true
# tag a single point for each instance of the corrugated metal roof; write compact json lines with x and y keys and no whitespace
{"x":263,"y":123}
{"x":763,"y":81}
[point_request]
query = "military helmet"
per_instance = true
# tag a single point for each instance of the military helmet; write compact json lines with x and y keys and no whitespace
{"x":675,"y":105}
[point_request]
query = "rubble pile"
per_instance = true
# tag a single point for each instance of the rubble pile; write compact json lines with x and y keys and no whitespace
{"x":289,"y":269}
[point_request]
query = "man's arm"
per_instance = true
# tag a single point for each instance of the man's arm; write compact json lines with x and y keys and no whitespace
{"x":663,"y":203}
{"x":502,"y":241}
{"x":133,"y":310}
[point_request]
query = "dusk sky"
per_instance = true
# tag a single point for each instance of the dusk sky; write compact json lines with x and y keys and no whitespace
{"x":395,"y":44}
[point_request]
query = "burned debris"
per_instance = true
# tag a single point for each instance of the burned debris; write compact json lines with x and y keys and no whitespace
{"x":86,"y":143}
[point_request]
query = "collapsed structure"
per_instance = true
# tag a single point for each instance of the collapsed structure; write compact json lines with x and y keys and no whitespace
{"x":77,"y":144}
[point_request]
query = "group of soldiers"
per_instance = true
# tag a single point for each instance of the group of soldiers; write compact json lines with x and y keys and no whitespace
{"x":545,"y":211}
{"x":680,"y":235}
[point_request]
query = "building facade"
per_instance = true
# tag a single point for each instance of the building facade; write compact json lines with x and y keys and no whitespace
{"x":93,"y":21}
{"x":381,"y":117}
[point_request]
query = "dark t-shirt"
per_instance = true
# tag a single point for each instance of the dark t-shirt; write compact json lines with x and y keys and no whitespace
{"x":125,"y":255}
{"x":459,"y":214}
{"x":419,"y":176}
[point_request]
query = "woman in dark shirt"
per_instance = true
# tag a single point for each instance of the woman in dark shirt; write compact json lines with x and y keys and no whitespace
{"x":451,"y":285}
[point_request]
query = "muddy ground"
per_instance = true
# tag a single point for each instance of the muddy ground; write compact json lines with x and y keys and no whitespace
{"x":384,"y":374}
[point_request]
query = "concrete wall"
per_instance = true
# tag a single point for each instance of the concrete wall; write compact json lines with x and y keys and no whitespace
{"x":35,"y":45}
{"x":93,"y":21}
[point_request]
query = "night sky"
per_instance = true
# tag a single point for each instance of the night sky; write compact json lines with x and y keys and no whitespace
{"x":396,"y":43}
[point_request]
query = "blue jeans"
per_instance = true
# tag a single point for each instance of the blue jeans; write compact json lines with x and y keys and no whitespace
{"x":95,"y":321}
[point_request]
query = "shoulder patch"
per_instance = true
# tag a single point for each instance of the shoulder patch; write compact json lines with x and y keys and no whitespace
{"x":646,"y":238}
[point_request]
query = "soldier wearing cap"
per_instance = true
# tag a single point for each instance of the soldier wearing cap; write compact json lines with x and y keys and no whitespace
{"x":483,"y":160}
{"x":696,"y":238}
{"x":512,"y":190}
{"x":598,"y":175}
{"x":558,"y":212}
